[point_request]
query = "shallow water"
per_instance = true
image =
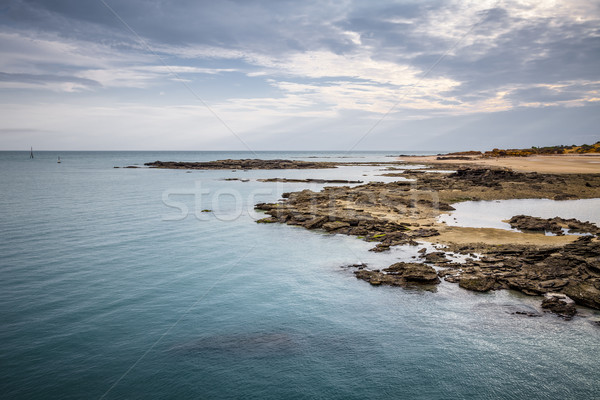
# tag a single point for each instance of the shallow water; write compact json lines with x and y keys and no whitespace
{"x":491,"y":214}
{"x":108,"y":291}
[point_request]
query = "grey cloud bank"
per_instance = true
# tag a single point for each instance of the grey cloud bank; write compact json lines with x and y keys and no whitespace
{"x":298,"y":75}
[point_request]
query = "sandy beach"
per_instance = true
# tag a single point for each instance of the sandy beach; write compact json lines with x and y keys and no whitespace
{"x":549,"y":164}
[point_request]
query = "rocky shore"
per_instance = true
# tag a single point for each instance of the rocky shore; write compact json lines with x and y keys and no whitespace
{"x":573,"y":269}
{"x":555,"y":257}
{"x":556,"y":225}
{"x":405,"y":213}
{"x":245,"y":164}
{"x":308,"y":180}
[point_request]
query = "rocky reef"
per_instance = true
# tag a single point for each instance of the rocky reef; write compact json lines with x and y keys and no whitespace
{"x":308,"y":180}
{"x":242,"y":164}
{"x":554,"y":225}
{"x":405,"y":213}
{"x":573,"y":269}
{"x":559,"y":304}
{"x":565,"y":268}
{"x":401,"y":274}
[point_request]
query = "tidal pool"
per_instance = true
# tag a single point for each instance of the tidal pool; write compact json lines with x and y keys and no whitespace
{"x":491,"y":214}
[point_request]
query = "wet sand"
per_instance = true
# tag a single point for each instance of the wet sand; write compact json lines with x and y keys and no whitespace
{"x":550,"y":164}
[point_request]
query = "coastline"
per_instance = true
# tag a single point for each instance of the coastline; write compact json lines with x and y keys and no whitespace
{"x":550,"y":164}
{"x":565,"y":268}
{"x":406,"y":211}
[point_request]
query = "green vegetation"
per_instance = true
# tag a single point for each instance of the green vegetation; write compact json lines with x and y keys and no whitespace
{"x":573,"y":149}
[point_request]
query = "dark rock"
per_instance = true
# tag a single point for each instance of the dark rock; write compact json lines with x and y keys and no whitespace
{"x":527,"y":313}
{"x":380,"y":247}
{"x":332,"y":226}
{"x":564,"y":196}
{"x":315,"y":222}
{"x":554,"y":225}
{"x":454,"y":158}
{"x":527,"y":223}
{"x":488,"y":177}
{"x":584,"y":293}
{"x":559,"y":304}
{"x":268,"y":220}
{"x":478,"y":283}
{"x":308,"y":180}
{"x":442,"y":273}
{"x":358,"y":266}
{"x":245,"y":164}
{"x":415,"y":272}
{"x":401,"y":274}
{"x":424,"y":232}
{"x":438,"y":257}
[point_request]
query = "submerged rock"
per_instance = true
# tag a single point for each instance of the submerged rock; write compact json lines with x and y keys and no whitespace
{"x":527,"y":313}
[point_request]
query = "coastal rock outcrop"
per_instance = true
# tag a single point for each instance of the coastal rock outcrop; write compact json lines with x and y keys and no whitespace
{"x":406,"y":211}
{"x":554,"y":225}
{"x":437,"y":257}
{"x":243,"y":164}
{"x":400,"y":274}
{"x":308,"y":180}
{"x":477,"y":282}
{"x":559,"y":304}
{"x":573,"y":269}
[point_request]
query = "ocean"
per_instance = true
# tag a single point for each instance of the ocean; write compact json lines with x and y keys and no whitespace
{"x":115,"y":284}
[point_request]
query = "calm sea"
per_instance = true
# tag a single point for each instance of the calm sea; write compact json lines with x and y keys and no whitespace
{"x":114,"y":284}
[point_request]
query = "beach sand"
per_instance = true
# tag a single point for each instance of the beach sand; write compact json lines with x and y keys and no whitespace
{"x":550,"y":164}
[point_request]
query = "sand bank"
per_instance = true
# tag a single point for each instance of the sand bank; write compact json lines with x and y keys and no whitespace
{"x":550,"y":164}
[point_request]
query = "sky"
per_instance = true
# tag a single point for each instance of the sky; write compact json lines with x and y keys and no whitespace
{"x":298,"y":75}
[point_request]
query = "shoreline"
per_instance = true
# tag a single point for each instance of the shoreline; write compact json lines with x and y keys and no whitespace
{"x":551,"y":164}
{"x":564,"y":268}
{"x":406,"y":212}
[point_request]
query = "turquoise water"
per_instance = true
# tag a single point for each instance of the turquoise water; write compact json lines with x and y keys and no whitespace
{"x":107,"y":292}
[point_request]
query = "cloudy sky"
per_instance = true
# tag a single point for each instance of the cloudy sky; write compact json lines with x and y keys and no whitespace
{"x":314,"y":75}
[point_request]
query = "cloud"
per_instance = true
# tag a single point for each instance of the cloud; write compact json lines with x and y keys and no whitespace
{"x":80,"y":65}
{"x":576,"y":93}
{"x":45,"y":81}
{"x":263,"y":66}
